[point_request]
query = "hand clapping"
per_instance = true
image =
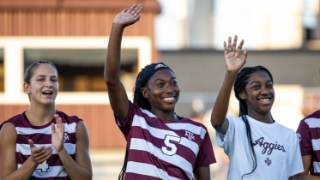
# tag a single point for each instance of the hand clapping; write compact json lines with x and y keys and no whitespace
{"x":57,"y":133}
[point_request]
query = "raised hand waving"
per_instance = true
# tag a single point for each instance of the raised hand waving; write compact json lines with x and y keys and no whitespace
{"x":129,"y":15}
{"x":232,"y":54}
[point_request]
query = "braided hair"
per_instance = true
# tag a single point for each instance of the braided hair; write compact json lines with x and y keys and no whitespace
{"x":138,"y":99}
{"x":239,"y":86}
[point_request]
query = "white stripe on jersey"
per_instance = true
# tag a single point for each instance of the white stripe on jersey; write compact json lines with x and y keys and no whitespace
{"x":161,"y":134}
{"x":189,"y":127}
{"x":68,"y":128}
{"x":150,"y":114}
{"x":181,"y":126}
{"x":53,"y":171}
{"x":148,"y":170}
{"x":25,"y":148}
{"x":313,"y":122}
{"x":315,"y":144}
{"x":316,"y":166}
{"x":178,"y":161}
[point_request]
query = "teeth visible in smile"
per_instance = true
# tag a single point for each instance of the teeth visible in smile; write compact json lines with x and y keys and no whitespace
{"x":47,"y":92}
{"x":265,"y":100}
{"x":168,"y":99}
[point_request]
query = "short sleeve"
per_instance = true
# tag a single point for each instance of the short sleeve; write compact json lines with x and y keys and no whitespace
{"x":303,"y":133}
{"x":127,"y":126}
{"x":296,"y":165}
{"x":226,"y":140}
{"x":206,"y":155}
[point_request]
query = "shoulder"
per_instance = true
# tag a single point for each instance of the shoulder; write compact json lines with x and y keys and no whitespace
{"x":68,"y":119}
{"x":312,"y":120}
{"x":15,"y":120}
{"x":192,"y":122}
{"x":287,"y":132}
{"x":234,"y":119}
{"x":8,"y":132}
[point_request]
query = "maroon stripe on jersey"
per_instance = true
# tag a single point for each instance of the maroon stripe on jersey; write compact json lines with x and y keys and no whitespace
{"x":315,"y":133}
{"x":53,"y":160}
{"x":315,"y":174}
{"x":131,"y":176}
{"x":159,"y":124}
{"x":145,"y":157}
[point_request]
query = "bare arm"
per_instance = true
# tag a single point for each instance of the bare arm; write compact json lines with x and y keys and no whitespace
{"x":202,"y":173}
{"x":8,"y":165}
{"x":307,"y":160}
{"x":117,"y":94}
{"x":234,"y":64}
{"x":80,"y":168}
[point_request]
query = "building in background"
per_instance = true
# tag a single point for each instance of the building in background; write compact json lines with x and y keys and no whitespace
{"x":73,"y":34}
{"x":282,"y":36}
{"x":185,"y":34}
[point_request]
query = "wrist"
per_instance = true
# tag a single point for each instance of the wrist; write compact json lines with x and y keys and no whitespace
{"x":117,"y":26}
{"x":31,"y":162}
{"x":62,"y":149}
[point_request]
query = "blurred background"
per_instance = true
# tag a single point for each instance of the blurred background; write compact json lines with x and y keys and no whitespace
{"x":188,"y":35}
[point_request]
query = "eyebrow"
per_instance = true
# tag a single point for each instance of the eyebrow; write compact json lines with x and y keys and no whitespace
{"x":41,"y":75}
{"x":258,"y":81}
{"x":163,"y":79}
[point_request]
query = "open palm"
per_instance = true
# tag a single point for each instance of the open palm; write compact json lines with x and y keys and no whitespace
{"x":57,"y":133}
{"x":232,"y":55}
{"x":128,"y":16}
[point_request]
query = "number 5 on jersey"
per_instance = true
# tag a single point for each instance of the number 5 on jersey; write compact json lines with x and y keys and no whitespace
{"x":170,"y":147}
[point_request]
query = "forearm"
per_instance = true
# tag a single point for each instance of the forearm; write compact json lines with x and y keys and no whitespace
{"x":74,"y":170}
{"x":220,"y":108}
{"x":24,"y":172}
{"x":202,"y":173}
{"x":112,"y":64}
{"x":309,"y":177}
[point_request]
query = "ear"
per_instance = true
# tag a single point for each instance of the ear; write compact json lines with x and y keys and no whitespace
{"x":145,"y":92}
{"x":243,"y":95}
{"x":26,"y":87}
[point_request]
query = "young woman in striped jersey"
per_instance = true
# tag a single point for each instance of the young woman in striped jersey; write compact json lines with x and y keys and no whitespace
{"x":160,"y":144}
{"x":43,"y":143}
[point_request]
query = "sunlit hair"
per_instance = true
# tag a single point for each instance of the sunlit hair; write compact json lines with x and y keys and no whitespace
{"x":32,"y":67}
{"x":239,"y":86}
{"x":138,"y":99}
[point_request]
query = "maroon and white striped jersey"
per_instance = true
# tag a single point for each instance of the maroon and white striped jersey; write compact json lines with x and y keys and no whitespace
{"x":309,"y":135}
{"x":52,"y":168}
{"x":167,"y":150}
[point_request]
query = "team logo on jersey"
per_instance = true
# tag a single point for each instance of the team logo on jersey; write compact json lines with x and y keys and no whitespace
{"x":66,"y":137}
{"x":268,"y":161}
{"x":189,"y":135}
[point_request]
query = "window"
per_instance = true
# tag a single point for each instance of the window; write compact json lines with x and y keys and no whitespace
{"x":82,"y":69}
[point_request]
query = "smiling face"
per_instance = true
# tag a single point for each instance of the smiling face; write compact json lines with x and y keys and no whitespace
{"x":258,"y":94}
{"x":162,"y":91}
{"x":43,"y":86}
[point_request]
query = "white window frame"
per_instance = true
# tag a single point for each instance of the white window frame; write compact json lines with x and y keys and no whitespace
{"x":13,"y":64}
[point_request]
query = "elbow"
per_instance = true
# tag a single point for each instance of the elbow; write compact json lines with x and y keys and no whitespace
{"x":110,"y":81}
{"x":217,"y":122}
